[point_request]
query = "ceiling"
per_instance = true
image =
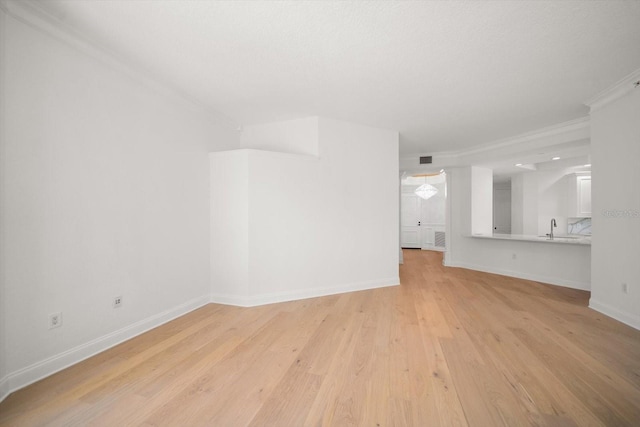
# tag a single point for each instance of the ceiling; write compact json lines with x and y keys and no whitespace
{"x":447,"y":75}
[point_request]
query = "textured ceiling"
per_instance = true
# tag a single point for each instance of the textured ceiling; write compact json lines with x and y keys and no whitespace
{"x":446,"y":75}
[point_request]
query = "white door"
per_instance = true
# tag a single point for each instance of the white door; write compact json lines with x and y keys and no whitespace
{"x":410,"y":207}
{"x":422,"y":221}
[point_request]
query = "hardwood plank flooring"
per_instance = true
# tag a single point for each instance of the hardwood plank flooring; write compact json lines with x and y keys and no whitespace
{"x":447,"y":347}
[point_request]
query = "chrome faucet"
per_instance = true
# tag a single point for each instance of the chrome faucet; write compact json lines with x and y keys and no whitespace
{"x":553,"y":224}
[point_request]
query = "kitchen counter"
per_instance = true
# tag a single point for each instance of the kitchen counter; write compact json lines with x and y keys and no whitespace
{"x":571,"y":240}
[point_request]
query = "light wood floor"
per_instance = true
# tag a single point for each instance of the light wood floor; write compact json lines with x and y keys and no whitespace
{"x":447,"y":347}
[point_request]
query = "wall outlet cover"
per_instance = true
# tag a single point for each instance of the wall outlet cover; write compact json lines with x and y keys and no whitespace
{"x":117,"y":302}
{"x":55,"y":320}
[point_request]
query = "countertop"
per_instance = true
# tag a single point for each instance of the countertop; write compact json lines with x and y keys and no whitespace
{"x":571,"y":240}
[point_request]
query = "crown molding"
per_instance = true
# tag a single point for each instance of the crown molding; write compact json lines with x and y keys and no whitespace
{"x":559,"y":129}
{"x":571,"y":130}
{"x":614,"y":92}
{"x":30,"y":13}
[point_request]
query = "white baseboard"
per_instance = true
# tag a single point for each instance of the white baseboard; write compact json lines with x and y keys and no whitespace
{"x":30,"y":374}
{"x":271,"y":298}
{"x":630,"y":319}
{"x":584,"y":286}
{"x":4,"y":388}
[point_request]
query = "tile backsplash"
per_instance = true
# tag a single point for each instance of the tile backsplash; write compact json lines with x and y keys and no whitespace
{"x":581,"y":226}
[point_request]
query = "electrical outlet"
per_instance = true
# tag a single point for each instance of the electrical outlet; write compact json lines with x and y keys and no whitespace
{"x":625,"y":288}
{"x":117,"y":302}
{"x":55,"y":320}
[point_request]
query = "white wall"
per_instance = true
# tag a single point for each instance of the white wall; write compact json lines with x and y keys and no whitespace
{"x":524,"y":204}
{"x":104,"y":193}
{"x":559,"y":264}
{"x":285,"y":225}
{"x":359,"y":188}
{"x":229,"y":210}
{"x":316,"y":226}
{"x":3,"y":298}
{"x":615,"y":145}
{"x":517,"y":204}
{"x":481,"y":200}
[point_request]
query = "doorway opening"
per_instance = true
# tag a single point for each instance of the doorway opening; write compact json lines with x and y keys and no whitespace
{"x":502,"y":205}
{"x":423,"y":208}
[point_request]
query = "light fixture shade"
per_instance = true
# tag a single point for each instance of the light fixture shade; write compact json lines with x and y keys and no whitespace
{"x":426,"y":191}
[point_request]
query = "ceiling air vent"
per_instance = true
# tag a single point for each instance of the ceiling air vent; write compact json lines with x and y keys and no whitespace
{"x":426,"y":160}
